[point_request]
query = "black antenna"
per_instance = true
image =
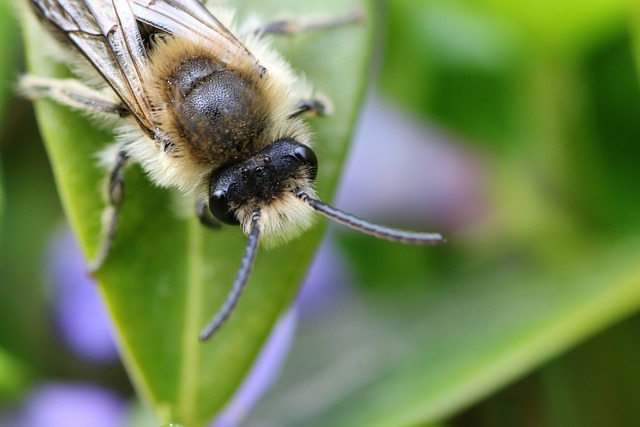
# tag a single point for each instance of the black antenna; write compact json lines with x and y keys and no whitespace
{"x":246,"y":265}
{"x":379,"y":231}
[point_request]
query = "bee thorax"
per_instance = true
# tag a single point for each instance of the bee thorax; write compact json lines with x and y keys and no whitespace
{"x":218,"y":113}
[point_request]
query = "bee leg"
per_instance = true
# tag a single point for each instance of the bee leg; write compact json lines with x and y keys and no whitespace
{"x":289,"y":27}
{"x":313,"y":107}
{"x":204,"y":214}
{"x":72,"y":93}
{"x":115,"y":195}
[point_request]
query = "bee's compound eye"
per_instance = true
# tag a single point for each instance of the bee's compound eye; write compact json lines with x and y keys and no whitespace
{"x":219,"y":206}
{"x":308,"y":157}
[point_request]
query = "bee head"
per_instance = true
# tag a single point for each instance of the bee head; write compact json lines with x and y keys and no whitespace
{"x":271,"y":194}
{"x":266,"y":181}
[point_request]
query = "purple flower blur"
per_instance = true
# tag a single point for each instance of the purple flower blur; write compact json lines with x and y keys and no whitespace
{"x":78,"y":312}
{"x":263,"y":373}
{"x":399,"y":168}
{"x":72,"y":405}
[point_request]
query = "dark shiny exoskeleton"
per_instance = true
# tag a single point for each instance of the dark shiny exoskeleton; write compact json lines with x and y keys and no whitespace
{"x":262,"y":178}
{"x":220,"y":112}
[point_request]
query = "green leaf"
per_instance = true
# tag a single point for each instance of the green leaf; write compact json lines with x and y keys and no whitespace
{"x":14,"y":375}
{"x":9,"y":49}
{"x":422,"y":356}
{"x":166,"y":276}
{"x":635,"y":32}
{"x":1,"y":198}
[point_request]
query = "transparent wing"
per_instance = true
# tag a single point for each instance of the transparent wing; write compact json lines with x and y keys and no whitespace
{"x":186,"y":18}
{"x":106,"y":33}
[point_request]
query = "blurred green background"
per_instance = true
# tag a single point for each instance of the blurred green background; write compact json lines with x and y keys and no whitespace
{"x":527,"y":317}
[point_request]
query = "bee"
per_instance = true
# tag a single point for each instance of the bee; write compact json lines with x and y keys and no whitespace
{"x":219,"y":116}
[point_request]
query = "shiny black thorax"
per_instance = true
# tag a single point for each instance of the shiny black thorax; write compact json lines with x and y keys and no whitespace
{"x":220,"y":113}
